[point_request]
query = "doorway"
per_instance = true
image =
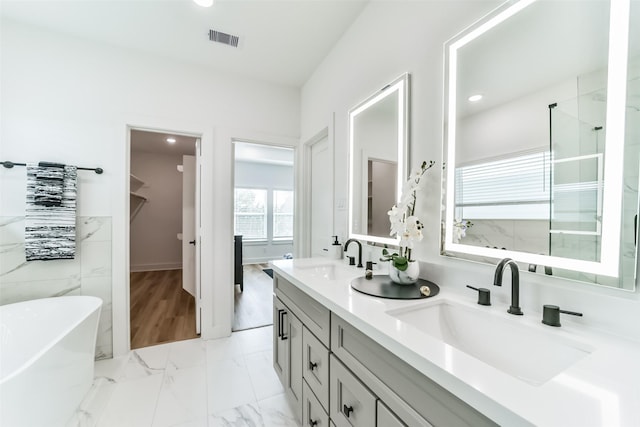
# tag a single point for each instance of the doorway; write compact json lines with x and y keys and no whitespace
{"x":264,"y":203}
{"x":164,"y":211}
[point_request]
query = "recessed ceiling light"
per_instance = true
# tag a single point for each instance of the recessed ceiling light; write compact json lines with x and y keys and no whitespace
{"x":475,"y":98}
{"x":204,"y":3}
{"x":171,"y":140}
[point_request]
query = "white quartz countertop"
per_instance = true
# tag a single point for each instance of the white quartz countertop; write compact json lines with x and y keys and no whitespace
{"x":600,"y":389}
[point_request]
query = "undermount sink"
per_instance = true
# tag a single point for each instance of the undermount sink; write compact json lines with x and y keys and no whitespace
{"x":529,"y":354}
{"x":328,"y":271}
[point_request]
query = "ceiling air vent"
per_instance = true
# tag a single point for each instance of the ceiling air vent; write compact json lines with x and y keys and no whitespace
{"x":224,"y":38}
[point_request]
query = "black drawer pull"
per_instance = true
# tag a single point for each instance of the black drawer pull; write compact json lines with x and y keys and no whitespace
{"x":347,"y":410}
{"x":281,"y":330}
{"x":312,"y":365}
{"x":312,"y":423}
{"x":280,"y":311}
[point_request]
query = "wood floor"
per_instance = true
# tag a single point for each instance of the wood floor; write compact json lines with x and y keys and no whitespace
{"x":161,"y":311}
{"x":254,"y":306}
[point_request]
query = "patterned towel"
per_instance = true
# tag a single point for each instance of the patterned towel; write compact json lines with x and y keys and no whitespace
{"x":49,"y":184}
{"x":50,"y":231}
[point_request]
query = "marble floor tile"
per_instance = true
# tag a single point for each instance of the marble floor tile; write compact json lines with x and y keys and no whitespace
{"x":254,"y":340}
{"x":224,"y":348}
{"x":133,"y":403}
{"x":187,"y":354}
{"x":183,"y":397}
{"x":243,"y":416}
{"x":263,"y":377}
{"x":192,"y":383}
{"x":276,"y":412}
{"x":228,"y":385}
{"x":145,"y":361}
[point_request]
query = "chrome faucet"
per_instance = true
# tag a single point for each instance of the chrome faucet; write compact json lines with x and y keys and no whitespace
{"x":515,"y":284}
{"x":346,"y":245}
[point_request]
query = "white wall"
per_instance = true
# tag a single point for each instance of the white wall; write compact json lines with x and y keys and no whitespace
{"x":419,"y":30}
{"x":70,"y":100}
{"x":270,"y":177}
{"x":154,"y":229}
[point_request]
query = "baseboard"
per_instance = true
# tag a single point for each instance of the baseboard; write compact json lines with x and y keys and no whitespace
{"x":156,"y":267}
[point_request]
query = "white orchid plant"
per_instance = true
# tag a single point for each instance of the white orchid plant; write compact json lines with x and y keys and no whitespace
{"x":460,"y":229}
{"x":404,"y":223}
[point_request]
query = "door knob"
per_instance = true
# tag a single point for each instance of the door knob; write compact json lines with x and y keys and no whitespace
{"x":192,"y":242}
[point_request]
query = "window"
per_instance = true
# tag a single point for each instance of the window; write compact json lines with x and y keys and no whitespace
{"x":282,"y":214}
{"x":512,"y":188}
{"x":250,"y":218}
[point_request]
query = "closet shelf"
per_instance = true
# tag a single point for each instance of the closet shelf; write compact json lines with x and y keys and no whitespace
{"x":136,"y":201}
{"x":135,"y":183}
{"x":138,"y":196}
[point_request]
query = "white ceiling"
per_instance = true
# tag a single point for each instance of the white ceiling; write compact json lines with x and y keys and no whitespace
{"x":156,"y":142}
{"x":260,"y":153}
{"x":280,"y":41}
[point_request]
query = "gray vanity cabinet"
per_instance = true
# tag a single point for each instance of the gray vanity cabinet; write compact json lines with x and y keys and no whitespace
{"x":287,"y":353}
{"x":335,"y":375}
{"x":386,"y":418}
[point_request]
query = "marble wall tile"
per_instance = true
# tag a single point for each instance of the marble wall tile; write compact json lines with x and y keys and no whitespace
{"x":11,"y":292}
{"x":95,"y":259}
{"x":11,"y":230}
{"x":88,"y":274}
{"x":492,"y":233}
{"x":94,"y":229}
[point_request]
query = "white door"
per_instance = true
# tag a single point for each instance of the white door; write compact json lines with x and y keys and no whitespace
{"x":189,"y":224}
{"x":191,"y":241}
{"x":198,"y":233}
{"x":321,"y":201}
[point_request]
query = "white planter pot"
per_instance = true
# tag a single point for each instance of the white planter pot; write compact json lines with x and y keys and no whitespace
{"x":407,"y":277}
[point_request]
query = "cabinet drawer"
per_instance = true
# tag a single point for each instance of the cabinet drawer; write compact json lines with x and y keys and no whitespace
{"x":386,"y":418}
{"x":315,"y":367}
{"x":313,"y":414}
{"x":352,"y":404}
{"x":314,"y":315}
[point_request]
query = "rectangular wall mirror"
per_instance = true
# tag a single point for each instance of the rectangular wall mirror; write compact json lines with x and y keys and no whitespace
{"x":542,"y":139}
{"x":378,"y":147}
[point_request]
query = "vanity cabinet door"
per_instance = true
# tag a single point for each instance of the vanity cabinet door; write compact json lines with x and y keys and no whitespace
{"x":386,"y":418}
{"x":287,"y":353}
{"x":280,"y":344}
{"x":315,"y":367}
{"x":351,"y":403}
{"x":313,"y":414}
{"x":293,"y":386}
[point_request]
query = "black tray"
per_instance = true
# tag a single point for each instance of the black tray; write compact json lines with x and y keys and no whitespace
{"x":382,"y":286}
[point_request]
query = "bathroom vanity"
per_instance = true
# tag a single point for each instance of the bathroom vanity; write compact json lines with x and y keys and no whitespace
{"x":350,"y":359}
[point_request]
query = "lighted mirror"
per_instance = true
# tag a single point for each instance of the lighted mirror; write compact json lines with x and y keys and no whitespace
{"x":542,"y":139}
{"x":378,"y":157}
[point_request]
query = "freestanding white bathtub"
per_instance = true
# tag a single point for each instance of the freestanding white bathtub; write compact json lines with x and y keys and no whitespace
{"x":46,"y":359}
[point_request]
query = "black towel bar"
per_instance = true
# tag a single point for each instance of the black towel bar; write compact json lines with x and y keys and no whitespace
{"x":9,"y":165}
